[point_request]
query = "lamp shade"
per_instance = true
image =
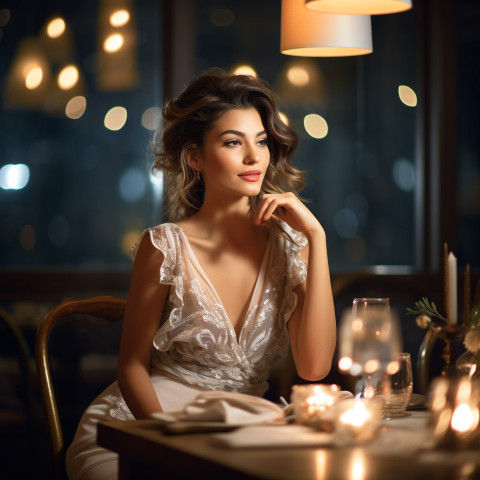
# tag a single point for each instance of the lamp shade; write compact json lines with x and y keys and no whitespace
{"x":359,"y":7}
{"x":309,"y":33}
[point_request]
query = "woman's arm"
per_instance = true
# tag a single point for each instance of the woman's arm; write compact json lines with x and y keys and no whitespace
{"x":312,"y":326}
{"x":145,"y":305}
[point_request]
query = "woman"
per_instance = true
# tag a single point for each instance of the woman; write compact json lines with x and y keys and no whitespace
{"x":216,"y":297}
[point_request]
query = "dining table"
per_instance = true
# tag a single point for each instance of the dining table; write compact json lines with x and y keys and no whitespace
{"x":148,"y":450}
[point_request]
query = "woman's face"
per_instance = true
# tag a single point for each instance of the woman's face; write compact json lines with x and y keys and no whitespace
{"x":235,"y":155}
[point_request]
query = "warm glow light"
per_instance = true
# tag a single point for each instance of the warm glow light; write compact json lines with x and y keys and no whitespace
{"x":56,"y":27}
{"x":315,"y":125}
{"x":464,"y":418}
{"x":298,"y":76}
{"x":357,"y":324}
{"x":115,"y":118}
{"x":358,"y":468}
{"x":34,"y":78}
{"x":322,"y":398}
{"x":113,"y":43}
{"x":76,"y":107}
{"x":321,"y":464}
{"x":356,"y":7}
{"x":68,"y":77}
{"x":284,"y":118}
{"x":307,"y":33}
{"x":372,"y":365}
{"x":119,"y":18}
{"x":245,"y":70}
{"x":345,"y":364}
{"x":407,"y":96}
{"x":392,"y":368}
{"x":356,"y":416}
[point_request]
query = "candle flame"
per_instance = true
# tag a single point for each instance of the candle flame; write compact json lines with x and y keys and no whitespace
{"x":464,"y":418}
{"x":356,"y":416}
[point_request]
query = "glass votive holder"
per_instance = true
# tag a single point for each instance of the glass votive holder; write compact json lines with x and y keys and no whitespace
{"x":455,"y":420}
{"x":357,"y":420}
{"x":311,"y":401}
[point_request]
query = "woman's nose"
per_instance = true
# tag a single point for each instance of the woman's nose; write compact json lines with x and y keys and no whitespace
{"x":252,"y":156}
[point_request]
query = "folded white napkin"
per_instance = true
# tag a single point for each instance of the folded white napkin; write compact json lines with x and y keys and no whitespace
{"x":226,"y":407}
{"x":258,"y":436}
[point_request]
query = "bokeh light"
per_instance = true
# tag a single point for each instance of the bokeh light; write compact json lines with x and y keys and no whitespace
{"x":404,"y":174}
{"x":56,"y":27}
{"x":407,"y":96}
{"x":34,"y":77}
{"x":76,"y":107}
{"x":113,"y":43}
{"x":68,"y":77}
{"x":14,"y":176}
{"x":133,"y":184}
{"x":115,"y":118}
{"x":119,"y":18}
{"x":151,"y":118}
{"x":244,"y":70}
{"x":284,"y":118}
{"x":315,"y":125}
{"x":298,"y":76}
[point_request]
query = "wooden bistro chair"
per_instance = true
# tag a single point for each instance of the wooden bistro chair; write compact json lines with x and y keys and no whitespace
{"x":103,"y":309}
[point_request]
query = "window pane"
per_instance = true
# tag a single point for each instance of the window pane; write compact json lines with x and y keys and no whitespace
{"x":79,"y":187}
{"x":468,"y":163}
{"x":89,"y":191}
{"x":361,"y":176}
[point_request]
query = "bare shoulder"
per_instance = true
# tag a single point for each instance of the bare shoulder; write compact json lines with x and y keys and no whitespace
{"x":147,"y":252}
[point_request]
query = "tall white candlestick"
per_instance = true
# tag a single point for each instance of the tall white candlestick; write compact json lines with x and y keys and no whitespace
{"x":452,"y":289}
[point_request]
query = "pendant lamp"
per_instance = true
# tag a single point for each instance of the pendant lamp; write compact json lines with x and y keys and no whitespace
{"x":359,"y":7}
{"x":308,"y":33}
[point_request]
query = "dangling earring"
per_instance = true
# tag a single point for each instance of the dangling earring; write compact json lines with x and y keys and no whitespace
{"x":197,"y":175}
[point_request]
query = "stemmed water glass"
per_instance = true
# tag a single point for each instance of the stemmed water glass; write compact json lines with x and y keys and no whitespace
{"x":369,"y":341}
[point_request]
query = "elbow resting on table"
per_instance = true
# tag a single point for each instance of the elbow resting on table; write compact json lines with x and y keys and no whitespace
{"x":314,"y":374}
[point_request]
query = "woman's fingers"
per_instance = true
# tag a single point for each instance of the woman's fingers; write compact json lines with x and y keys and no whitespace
{"x":286,"y":207}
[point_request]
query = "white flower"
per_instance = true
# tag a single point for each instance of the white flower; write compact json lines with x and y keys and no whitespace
{"x":423,"y":321}
{"x":472,"y":339}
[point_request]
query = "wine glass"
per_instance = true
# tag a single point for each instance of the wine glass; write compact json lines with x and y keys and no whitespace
{"x":369,"y":341}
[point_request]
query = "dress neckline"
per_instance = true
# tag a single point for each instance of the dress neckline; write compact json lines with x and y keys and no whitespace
{"x":255,"y":292}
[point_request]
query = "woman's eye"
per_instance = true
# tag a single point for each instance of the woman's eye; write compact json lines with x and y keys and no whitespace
{"x":263,"y":141}
{"x":233,"y":143}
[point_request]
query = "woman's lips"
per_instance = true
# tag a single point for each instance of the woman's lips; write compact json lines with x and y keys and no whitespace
{"x":251,"y":176}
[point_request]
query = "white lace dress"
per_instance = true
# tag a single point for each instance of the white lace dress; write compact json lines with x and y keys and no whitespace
{"x":196,"y":347}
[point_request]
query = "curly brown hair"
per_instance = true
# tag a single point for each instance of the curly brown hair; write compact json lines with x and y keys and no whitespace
{"x":188,"y":118}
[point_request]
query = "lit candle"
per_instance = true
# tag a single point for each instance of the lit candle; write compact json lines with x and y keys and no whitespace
{"x":311,"y":401}
{"x":358,"y":420}
{"x":452,"y":289}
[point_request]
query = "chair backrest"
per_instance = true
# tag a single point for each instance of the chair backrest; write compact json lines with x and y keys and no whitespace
{"x":105,"y":308}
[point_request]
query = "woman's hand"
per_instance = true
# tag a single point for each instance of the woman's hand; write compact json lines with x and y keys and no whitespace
{"x":312,"y":326}
{"x":289,"y":208}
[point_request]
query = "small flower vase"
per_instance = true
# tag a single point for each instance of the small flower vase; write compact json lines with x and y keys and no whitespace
{"x":468,"y":363}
